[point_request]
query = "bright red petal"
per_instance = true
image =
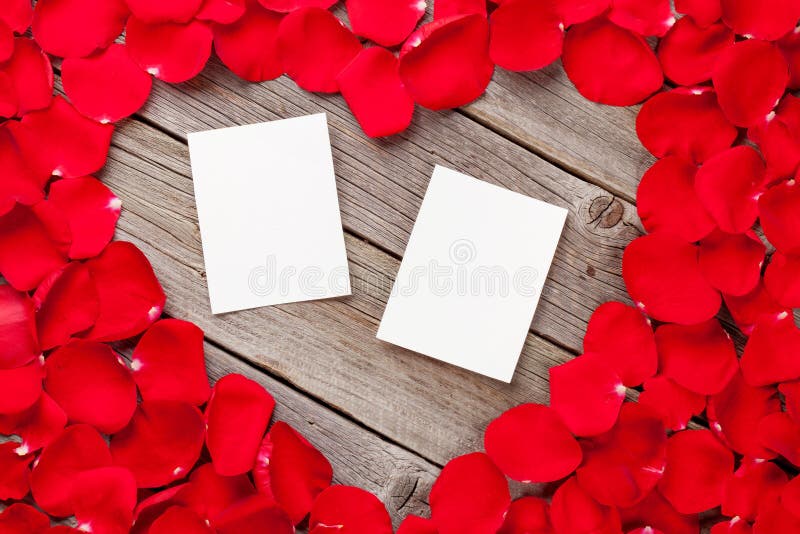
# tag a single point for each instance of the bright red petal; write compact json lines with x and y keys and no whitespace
{"x":372,"y":88}
{"x":249,"y":46}
{"x":779,"y":212}
{"x":255,"y":515}
{"x":732,"y":262}
{"x":675,"y":404}
{"x":20,"y":518}
{"x":573,"y":511}
{"x":689,"y":51}
{"x":19,"y":185}
{"x":752,"y":485}
{"x":774,"y":518}
{"x":154,"y":12}
{"x":526,"y":35}
{"x":20,"y":388}
{"x":28,"y":252}
{"x":169,"y":51}
{"x":789,"y":46}
{"x":778,"y":432}
{"x":287,"y":6}
{"x":66,"y":303}
{"x":446,"y":64}
{"x":414,"y":524}
{"x":735,"y":526}
{"x":791,"y":396}
{"x":782,"y":279}
{"x":17,"y":14}
{"x":76,"y":28}
{"x":221,"y":11}
{"x":149,"y":509}
{"x":530,"y":443}
{"x":452,"y":8}
{"x":790,"y":490}
{"x":703,"y":12}
{"x":656,"y":512}
{"x":103,"y":499}
{"x":770,"y":354}
{"x":749,"y":309}
{"x":762,"y":19}
{"x":14,"y":472}
{"x":778,"y":138}
{"x":19,"y":343}
{"x":349,"y":510}
{"x":209,"y":494}
{"x":651,"y":17}
{"x":38,"y":426}
{"x":30,"y":75}
{"x":526,"y":515}
{"x":577,"y":11}
{"x":386,"y":22}
{"x":178,"y":519}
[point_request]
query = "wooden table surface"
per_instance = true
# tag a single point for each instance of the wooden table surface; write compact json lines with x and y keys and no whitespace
{"x":387,"y":418}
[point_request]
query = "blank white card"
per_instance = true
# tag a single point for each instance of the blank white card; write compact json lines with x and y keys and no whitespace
{"x":472,"y":274}
{"x":269,"y":214}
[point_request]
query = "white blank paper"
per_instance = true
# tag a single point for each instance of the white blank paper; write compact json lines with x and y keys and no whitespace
{"x":269,"y":214}
{"x":472,"y":274}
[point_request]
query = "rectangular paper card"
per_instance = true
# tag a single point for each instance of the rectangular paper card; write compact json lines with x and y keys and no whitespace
{"x":472,"y":274}
{"x":269,"y":214}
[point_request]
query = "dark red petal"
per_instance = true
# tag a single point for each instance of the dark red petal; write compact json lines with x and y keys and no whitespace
{"x":180,"y":520}
{"x":249,"y":46}
{"x":790,"y":490}
{"x":779,"y":212}
{"x":66,"y":303}
{"x":349,"y":510}
{"x":782,"y":279}
{"x":749,"y":309}
{"x":689,"y":51}
{"x":290,"y":470}
{"x":573,"y":511}
{"x":89,"y":381}
{"x":103,"y":499}
{"x":587,"y":393}
{"x":27,"y":251}
{"x":20,"y":518}
{"x":770,"y":354}
{"x":19,"y":185}
{"x":19,"y":343}
{"x":675,"y":404}
{"x":414,"y":524}
{"x":774,"y":518}
{"x":107,"y":86}
{"x":526,"y":35}
{"x":762,"y":19}
{"x":778,"y":138}
{"x":685,"y":122}
{"x":31,"y":76}
{"x":302,"y":35}
{"x":236,"y":418}
{"x":221,"y":11}
{"x":287,"y":6}
{"x":651,"y":17}
{"x":698,"y":466}
{"x":131,"y":299}
{"x":750,"y":77}
{"x":732,"y":262}
{"x":209,"y":493}
{"x":372,"y":88}
{"x":153,"y":11}
{"x":778,"y":432}
{"x":703,"y":12}
{"x":452,"y":8}
{"x":446,"y":64}
{"x":255,"y":515}
{"x":789,"y":45}
{"x":38,"y":426}
{"x":14,"y":472}
{"x":656,"y":512}
{"x":663,"y":277}
{"x":667,"y":202}
{"x":386,"y":22}
{"x":470,"y":496}
{"x":170,"y":52}
{"x":609,"y":64}
{"x":577,"y":11}
{"x":530,"y":443}
{"x":161,"y":443}
{"x":79,"y":448}
{"x":734,"y":414}
{"x":754,"y":483}
{"x":76,"y":28}
{"x":791,"y":396}
{"x":20,"y":388}
{"x":60,"y":140}
{"x":17,"y":14}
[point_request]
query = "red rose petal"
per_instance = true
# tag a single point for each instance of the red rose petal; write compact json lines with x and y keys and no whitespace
{"x":573,"y":511}
{"x":30,"y":75}
{"x":779,"y":211}
{"x":168,"y":363}
{"x":525,"y":35}
{"x":778,"y":432}
{"x":734,"y":414}
{"x":8,"y":100}
{"x":609,"y":64}
{"x":302,"y":35}
{"x":789,"y":489}
{"x":38,"y":426}
{"x":770,"y":354}
{"x":131,"y":299}
{"x":656,"y":512}
{"x":372,"y":88}
{"x":236,"y":418}
{"x":67,"y":304}
{"x":348,"y":510}
{"x":14,"y":472}
{"x":20,"y":388}
{"x":6,"y":44}
{"x":288,"y":6}
{"x":587,"y":393}
{"x":28,"y":253}
{"x":749,"y":309}
{"x":651,"y":17}
{"x":290,"y":470}
{"x":469,"y":497}
{"x":221,"y":11}
{"x":789,"y":45}
{"x":623,"y":338}
{"x":107,"y":86}
{"x":791,"y":396}
{"x":734,"y":526}
{"x":645,"y":530}
{"x":154,"y":12}
{"x":79,"y":448}
{"x":209,"y":493}
{"x":663,"y":277}
{"x":149,"y":509}
{"x":778,"y":138}
{"x":103,"y":499}
{"x":762,"y":19}
{"x":161,"y":443}
{"x":750,"y":77}
{"x":414,"y":524}
{"x":178,"y":519}
{"x":529,"y":515}
{"x":697,"y":468}
{"x":170,"y":52}
{"x":19,"y":343}
{"x":685,"y":122}
{"x":667,"y":202}
{"x":689,"y":51}
{"x":76,"y":28}
{"x":675,"y":404}
{"x":732,"y":262}
{"x":255,"y":515}
{"x":530,"y":443}
{"x":782,"y":279}
{"x":17,"y":14}
{"x":20,"y":518}
{"x":446,"y":64}
{"x":753,"y":484}
{"x":774,"y":518}
{"x":452,"y":8}
{"x":386,"y":22}
{"x":92,"y":385}
{"x":18,"y":185}
{"x":577,"y":11}
{"x":249,"y":46}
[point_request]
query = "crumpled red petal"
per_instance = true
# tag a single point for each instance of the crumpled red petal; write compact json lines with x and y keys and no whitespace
{"x":587,"y":393}
{"x":291,"y":471}
{"x":23,"y":518}
{"x":76,"y":28}
{"x":446,"y":63}
{"x":30,"y":75}
{"x":161,"y":443}
{"x":732,"y":262}
{"x":689,"y":51}
{"x":386,"y":22}
{"x":19,"y":185}
{"x":703,"y":12}
{"x":14,"y":472}
{"x":470,"y":496}
{"x":131,"y":299}
{"x":169,"y":51}
{"x":79,"y":448}
{"x":20,"y":388}
{"x":349,"y":510}
{"x":698,"y":466}
{"x":302,"y":35}
{"x":525,"y":35}
{"x":609,"y":64}
{"x":531,"y":443}
{"x":761,"y":19}
{"x":249,"y":46}
{"x":753,"y":484}
{"x":622,"y":336}
{"x":414,"y":524}
{"x":373,"y":90}
{"x":38,"y":426}
{"x":28,"y":251}
{"x":577,"y":11}
{"x":780,"y":217}
{"x":154,"y":12}
{"x":209,"y":494}
{"x":255,"y":515}
{"x":19,"y":342}
{"x":452,"y":8}
{"x":750,"y":77}
{"x":656,"y":512}
{"x":237,"y":416}
{"x":221,"y":11}
{"x":573,"y":511}
{"x":778,"y":432}
{"x":88,"y":380}
{"x":663,"y":276}
{"x":66,"y":303}
{"x":749,"y":309}
{"x":527,"y":515}
{"x":651,"y":17}
{"x":769,"y":356}
{"x":675,"y":404}
{"x":179,"y":519}
{"x":287,"y":6}
{"x":684,"y":122}
{"x":667,"y":202}
{"x":103,"y":499}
